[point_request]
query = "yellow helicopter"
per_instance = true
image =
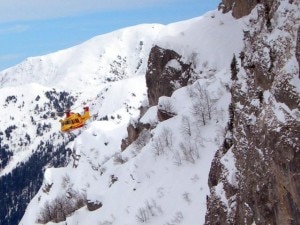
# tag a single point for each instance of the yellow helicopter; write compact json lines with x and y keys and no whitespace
{"x":73,"y":121}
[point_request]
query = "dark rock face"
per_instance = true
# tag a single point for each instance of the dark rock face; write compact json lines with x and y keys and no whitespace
{"x":226,"y":5}
{"x":163,"y":115}
{"x":162,"y":79}
{"x":239,"y":8}
{"x":264,"y":146}
{"x":132,"y":135}
{"x":298,"y":49}
{"x":93,"y":205}
{"x":133,"y":132}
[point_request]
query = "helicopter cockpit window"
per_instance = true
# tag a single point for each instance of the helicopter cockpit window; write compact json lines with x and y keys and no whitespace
{"x":75,"y":121}
{"x":67,"y":122}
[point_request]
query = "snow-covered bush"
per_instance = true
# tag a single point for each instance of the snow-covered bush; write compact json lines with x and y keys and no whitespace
{"x":59,"y":208}
{"x":119,"y":158}
{"x":190,"y":151}
{"x":149,"y":210}
{"x":186,"y":126}
{"x":165,"y":104}
{"x":163,"y":142}
{"x":142,"y":139}
{"x":177,"y":219}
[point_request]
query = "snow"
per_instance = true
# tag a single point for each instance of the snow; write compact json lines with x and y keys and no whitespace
{"x":174,"y":64}
{"x":296,"y":83}
{"x":228,"y":160}
{"x":216,"y":48}
{"x":170,"y":171}
{"x":150,"y":116}
{"x":167,"y":172}
{"x":255,"y":102}
{"x":219,"y":189}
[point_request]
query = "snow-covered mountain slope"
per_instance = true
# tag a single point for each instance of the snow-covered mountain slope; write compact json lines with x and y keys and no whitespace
{"x":165,"y":181}
{"x":105,"y":58}
{"x":161,"y":178}
{"x":125,"y":52}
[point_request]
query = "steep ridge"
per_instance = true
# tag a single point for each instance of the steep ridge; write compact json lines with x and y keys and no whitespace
{"x":105,"y":58}
{"x":254,"y":177}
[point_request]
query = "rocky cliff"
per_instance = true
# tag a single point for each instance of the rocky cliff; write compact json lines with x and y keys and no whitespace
{"x":254,"y":178}
{"x":298,"y":49}
{"x":165,"y":73}
{"x":238,"y":8}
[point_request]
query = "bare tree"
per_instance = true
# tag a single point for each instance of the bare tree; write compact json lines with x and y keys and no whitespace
{"x":158,"y":146}
{"x":190,"y":151}
{"x":46,"y":213}
{"x":151,"y":209}
{"x":119,"y":158}
{"x":167,"y":137}
{"x":66,"y":182}
{"x":203,"y":106}
{"x":162,"y":142}
{"x":177,"y":158}
{"x":186,"y":126}
{"x":143,"y":215}
{"x":61,"y":208}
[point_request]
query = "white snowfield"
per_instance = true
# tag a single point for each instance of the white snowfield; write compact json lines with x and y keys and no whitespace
{"x":161,"y":179}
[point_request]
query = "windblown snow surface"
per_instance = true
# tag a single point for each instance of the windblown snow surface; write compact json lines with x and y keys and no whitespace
{"x":160,"y":179}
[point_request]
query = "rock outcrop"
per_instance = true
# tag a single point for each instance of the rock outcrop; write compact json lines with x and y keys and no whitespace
{"x":240,"y":8}
{"x":93,"y":205}
{"x":165,"y":73}
{"x":255,"y":175}
{"x":133,"y":132}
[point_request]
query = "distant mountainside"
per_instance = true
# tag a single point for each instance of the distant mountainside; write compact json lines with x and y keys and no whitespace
{"x":105,"y":58}
{"x":195,"y":122}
